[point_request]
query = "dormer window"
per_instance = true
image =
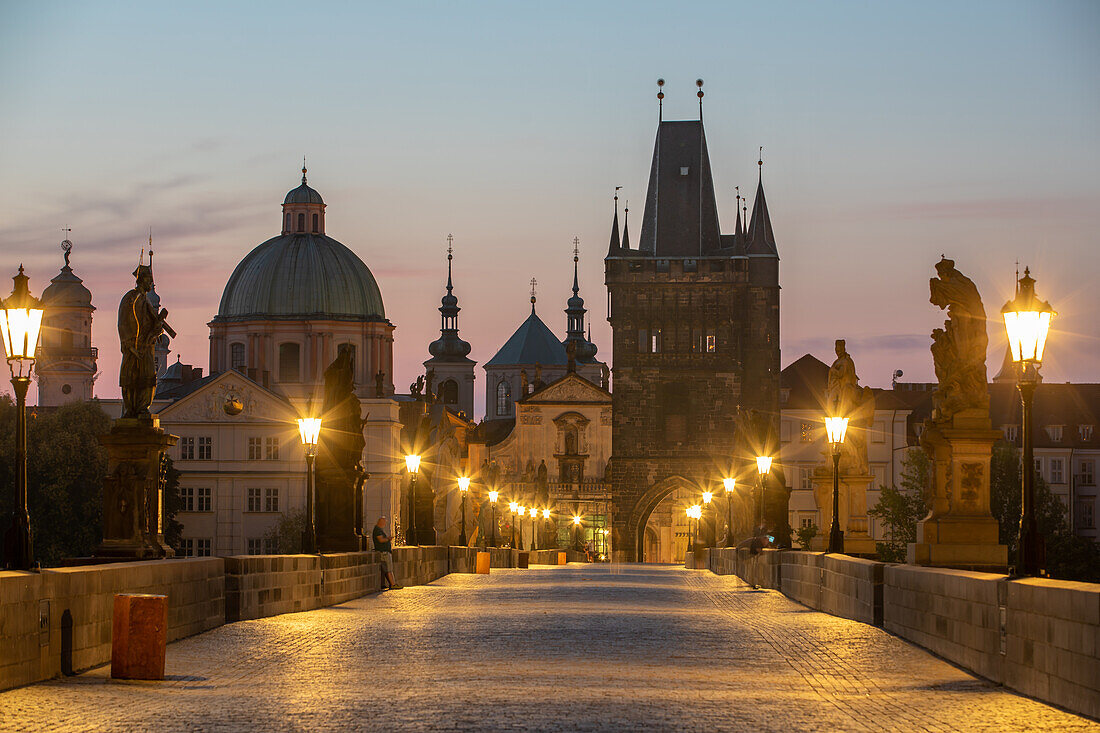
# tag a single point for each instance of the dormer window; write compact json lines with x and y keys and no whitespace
{"x":1055,"y":433}
{"x":1085,"y":431}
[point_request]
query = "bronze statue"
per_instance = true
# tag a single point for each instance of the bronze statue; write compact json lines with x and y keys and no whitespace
{"x":339,"y":472}
{"x":845,"y":398}
{"x":417,"y":387}
{"x":139,"y":327}
{"x":429,"y":382}
{"x":380,"y":384}
{"x":958,"y":349}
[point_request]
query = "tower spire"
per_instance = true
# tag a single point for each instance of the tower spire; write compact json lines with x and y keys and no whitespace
{"x":738,"y":231}
{"x":576,"y":259}
{"x":760,"y":235}
{"x":615,"y":244}
{"x":660,"y":100}
{"x":699,"y":83}
{"x":303,"y":170}
{"x":626,"y":225}
{"x":534,"y":283}
{"x":450,"y":256}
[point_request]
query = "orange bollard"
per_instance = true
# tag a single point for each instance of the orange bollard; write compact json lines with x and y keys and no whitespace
{"x":561,"y":559}
{"x":483,"y":563}
{"x":139,"y":636}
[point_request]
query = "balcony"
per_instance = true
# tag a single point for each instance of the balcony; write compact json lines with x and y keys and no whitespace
{"x":58,"y":353}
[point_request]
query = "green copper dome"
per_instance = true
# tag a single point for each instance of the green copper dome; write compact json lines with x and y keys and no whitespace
{"x":298,"y":277}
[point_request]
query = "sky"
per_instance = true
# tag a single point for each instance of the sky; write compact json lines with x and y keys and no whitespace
{"x":892,"y":133}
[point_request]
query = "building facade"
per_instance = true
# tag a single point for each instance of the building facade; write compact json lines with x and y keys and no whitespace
{"x":66,"y":364}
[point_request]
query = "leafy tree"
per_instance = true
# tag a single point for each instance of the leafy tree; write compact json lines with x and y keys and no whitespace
{"x":173,"y":503}
{"x":287,"y":534}
{"x":899,"y":509}
{"x":806,"y":536}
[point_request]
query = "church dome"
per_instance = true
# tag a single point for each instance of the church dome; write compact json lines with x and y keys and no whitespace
{"x":303,"y":195}
{"x":301,"y":276}
{"x":67,"y":290}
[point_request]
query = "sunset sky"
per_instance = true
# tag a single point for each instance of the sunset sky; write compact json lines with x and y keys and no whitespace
{"x":892,"y":133}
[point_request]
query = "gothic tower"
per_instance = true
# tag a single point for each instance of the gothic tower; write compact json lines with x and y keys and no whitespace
{"x":695,"y":317}
{"x":454,"y":370}
{"x":66,"y":364}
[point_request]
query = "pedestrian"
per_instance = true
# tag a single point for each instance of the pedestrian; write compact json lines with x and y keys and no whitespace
{"x":384,"y":545}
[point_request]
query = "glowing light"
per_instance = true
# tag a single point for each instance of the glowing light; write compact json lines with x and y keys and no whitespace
{"x":836,"y":427}
{"x":763,"y":465}
{"x":707,"y":496}
{"x":1027,"y":321}
{"x":20,"y":320}
{"x":308,"y":429}
{"x":493,"y":496}
{"x":412,"y":463}
{"x":576,"y":520}
{"x":729,"y":484}
{"x":463,"y":483}
{"x":545,"y":513}
{"x":522,"y":510}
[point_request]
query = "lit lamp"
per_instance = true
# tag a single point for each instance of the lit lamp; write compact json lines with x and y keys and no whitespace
{"x":576,"y":532}
{"x":763,"y":468}
{"x":464,"y":487}
{"x":412,"y":465}
{"x":730,"y":485}
{"x":20,"y":322}
{"x":835,"y":429}
{"x":513,"y":507}
{"x":309,"y":429}
{"x":533,"y":512}
{"x":545,"y":518}
{"x":707,"y":496}
{"x":694,"y":512}
{"x":1027,"y":322}
{"x":522,"y":511}
{"x":493,"y":502}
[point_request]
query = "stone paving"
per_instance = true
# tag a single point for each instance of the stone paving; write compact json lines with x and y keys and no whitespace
{"x":624,"y":647}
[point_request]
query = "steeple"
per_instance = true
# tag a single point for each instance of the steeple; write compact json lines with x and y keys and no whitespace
{"x":739,"y":231}
{"x":453,"y":368}
{"x":760,"y":235}
{"x":615,"y":244}
{"x":574,"y":311}
{"x":449,"y":347}
{"x":626,"y":226}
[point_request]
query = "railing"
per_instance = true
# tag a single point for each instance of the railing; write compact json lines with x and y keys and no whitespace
{"x":69,"y":352}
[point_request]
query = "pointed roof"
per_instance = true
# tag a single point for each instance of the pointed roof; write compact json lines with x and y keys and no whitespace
{"x":1008,"y":373}
{"x":626,"y":227}
{"x":760,"y":235}
{"x":449,"y":347}
{"x":572,"y":388}
{"x":614,"y":245}
{"x":532,"y":343}
{"x":681,"y":215}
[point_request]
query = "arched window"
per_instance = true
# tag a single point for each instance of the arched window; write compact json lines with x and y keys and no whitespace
{"x":314,"y":223}
{"x":288,"y":222}
{"x":504,"y":398}
{"x":448,"y":392}
{"x":301,"y":222}
{"x":236,"y":357}
{"x":289,"y":363}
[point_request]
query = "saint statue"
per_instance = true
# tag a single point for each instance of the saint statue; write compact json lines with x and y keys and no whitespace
{"x":139,"y":327}
{"x":958,"y":349}
{"x":845,"y":398}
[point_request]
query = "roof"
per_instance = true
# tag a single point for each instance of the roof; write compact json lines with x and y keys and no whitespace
{"x":761,"y":239}
{"x":681,"y":215}
{"x":66,"y":290}
{"x":532,"y":343}
{"x":806,"y":378}
{"x":491,"y":432}
{"x":303,"y":195}
{"x":299,"y":276}
{"x":1067,"y":405}
{"x":571,"y":388}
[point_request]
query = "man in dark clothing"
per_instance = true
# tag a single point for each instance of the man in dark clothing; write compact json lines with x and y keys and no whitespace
{"x":384,"y":545}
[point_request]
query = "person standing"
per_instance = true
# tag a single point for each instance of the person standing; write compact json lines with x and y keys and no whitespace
{"x":384,"y":545}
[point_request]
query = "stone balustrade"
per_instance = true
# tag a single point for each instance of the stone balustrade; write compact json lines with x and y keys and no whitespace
{"x":1038,"y":636}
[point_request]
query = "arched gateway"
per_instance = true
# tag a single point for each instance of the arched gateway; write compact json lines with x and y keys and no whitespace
{"x":695,"y":317}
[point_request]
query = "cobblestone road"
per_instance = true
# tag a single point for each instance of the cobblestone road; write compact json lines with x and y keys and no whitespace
{"x":576,"y":648}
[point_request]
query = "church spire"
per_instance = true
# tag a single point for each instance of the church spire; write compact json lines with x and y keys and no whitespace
{"x":574,"y":312}
{"x":615,"y":243}
{"x":739,"y":231}
{"x":449,"y":347}
{"x":626,"y":226}
{"x":760,"y":235}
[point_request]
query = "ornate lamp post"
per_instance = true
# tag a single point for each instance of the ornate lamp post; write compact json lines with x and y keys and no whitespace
{"x":522,"y":511}
{"x":412,"y":465}
{"x":513,"y":507}
{"x":464,"y":487}
{"x":20,"y":322}
{"x":694,"y":512}
{"x":493,"y":502}
{"x":713,"y":538}
{"x":1027,"y":321}
{"x":730,"y":485}
{"x":836,"y":428}
{"x":545,"y":519}
{"x":576,"y":532}
{"x":309,"y":428}
{"x":763,"y":468}
{"x":533,"y":512}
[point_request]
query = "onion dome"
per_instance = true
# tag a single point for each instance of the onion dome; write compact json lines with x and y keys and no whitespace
{"x":66,"y":290}
{"x":575,"y":310}
{"x":449,"y":347}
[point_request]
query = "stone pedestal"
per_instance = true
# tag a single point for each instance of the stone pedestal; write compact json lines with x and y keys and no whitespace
{"x":133,"y":490}
{"x":960,"y":530}
{"x":853,"y":511}
{"x":335,"y":509}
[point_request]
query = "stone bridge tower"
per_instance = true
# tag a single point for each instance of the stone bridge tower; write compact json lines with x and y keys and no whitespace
{"x":695,"y":317}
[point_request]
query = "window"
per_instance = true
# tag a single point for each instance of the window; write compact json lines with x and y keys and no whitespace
{"x":807,"y":479}
{"x":255,"y":545}
{"x":1055,"y":433}
{"x":1087,"y":476}
{"x":806,"y":432}
{"x":205,"y":448}
{"x":288,"y":222}
{"x":643,"y":341}
{"x":655,"y":341}
{"x":879,"y":433}
{"x":253,"y":500}
{"x":448,"y":392}
{"x":785,"y":432}
{"x":314,"y":223}
{"x":301,"y":222}
{"x":254,"y":449}
{"x":271,"y":449}
{"x":187,"y":499}
{"x":1085,"y":431}
{"x":807,"y":522}
{"x":187,"y":449}
{"x":236,"y":357}
{"x":697,"y":339}
{"x":271,"y":500}
{"x":504,"y":398}
{"x":711,"y":343}
{"x":203,"y":501}
{"x":1057,"y":471}
{"x":1038,"y":466}
{"x":187,"y":547}
{"x":288,"y":362}
{"x":1012,"y":432}
{"x":1086,"y":519}
{"x":271,"y":545}
{"x":203,"y":548}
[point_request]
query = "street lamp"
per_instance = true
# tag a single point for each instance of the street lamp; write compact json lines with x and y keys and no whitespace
{"x":763,"y":468}
{"x":412,"y":465}
{"x":694,"y":512}
{"x":835,"y":429}
{"x":1027,"y":321}
{"x":309,"y":428}
{"x":513,"y":507}
{"x":533,"y":512}
{"x":464,"y":487}
{"x":545,"y":519}
{"x":576,"y":532}
{"x":730,"y":486}
{"x":493,"y":502}
{"x":707,"y":496}
{"x":20,"y":322}
{"x":522,"y":510}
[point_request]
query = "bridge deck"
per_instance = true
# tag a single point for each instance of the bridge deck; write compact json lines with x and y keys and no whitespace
{"x":573,"y":648}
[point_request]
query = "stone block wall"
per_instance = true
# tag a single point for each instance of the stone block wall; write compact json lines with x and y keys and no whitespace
{"x":59,"y":620}
{"x":266,"y":585}
{"x":851,"y":587}
{"x":419,"y":565}
{"x":349,"y":575}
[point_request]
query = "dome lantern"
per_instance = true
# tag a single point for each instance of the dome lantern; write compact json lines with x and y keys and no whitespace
{"x":303,"y":209}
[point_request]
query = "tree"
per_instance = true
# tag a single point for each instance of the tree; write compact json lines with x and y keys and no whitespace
{"x":900,"y":509}
{"x":65,"y":469}
{"x":806,"y":536}
{"x":173,"y":503}
{"x":286,"y":536}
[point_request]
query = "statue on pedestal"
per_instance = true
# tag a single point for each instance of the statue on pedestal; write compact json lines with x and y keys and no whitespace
{"x":139,"y":328}
{"x":340,"y":448}
{"x":958,"y":349}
